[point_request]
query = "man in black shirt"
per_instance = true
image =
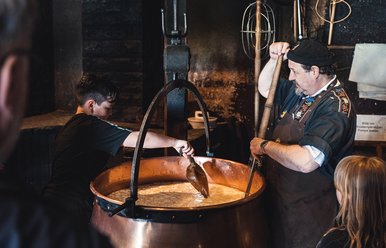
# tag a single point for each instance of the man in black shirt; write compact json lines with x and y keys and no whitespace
{"x":86,"y":142}
{"x":314,"y":128}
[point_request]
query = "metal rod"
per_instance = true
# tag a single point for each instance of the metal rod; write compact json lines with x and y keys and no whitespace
{"x":252,"y":166}
{"x":299,"y":20}
{"x":295,"y":19}
{"x":175,"y":28}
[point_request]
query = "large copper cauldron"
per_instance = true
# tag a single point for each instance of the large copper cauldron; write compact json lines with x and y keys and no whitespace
{"x":237,"y":224}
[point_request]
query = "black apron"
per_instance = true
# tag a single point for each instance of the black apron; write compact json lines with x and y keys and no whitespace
{"x":300,"y":206}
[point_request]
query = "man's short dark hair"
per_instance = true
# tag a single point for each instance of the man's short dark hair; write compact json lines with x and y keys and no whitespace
{"x":327,"y":70}
{"x":96,"y":88}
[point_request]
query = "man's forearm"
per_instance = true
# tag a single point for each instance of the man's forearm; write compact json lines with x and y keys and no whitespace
{"x":293,"y":157}
{"x":265,"y":78}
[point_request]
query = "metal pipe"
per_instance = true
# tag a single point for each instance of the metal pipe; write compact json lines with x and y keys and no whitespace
{"x":300,"y":37}
{"x":175,"y":28}
{"x":295,"y":18}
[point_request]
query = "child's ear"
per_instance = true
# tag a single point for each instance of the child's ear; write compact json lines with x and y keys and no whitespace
{"x":89,"y":105}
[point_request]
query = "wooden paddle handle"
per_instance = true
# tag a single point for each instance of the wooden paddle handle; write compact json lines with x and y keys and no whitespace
{"x":265,"y":119}
{"x":270,"y":99}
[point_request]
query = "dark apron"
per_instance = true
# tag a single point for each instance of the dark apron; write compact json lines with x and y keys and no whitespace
{"x":301,"y":207}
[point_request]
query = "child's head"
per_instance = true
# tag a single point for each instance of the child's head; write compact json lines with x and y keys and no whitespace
{"x":96,"y":96}
{"x":360,"y":182}
{"x":96,"y":88}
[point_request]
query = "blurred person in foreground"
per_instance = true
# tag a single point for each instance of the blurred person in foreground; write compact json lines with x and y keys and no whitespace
{"x":360,"y":184}
{"x":313,"y":128}
{"x":25,"y":219}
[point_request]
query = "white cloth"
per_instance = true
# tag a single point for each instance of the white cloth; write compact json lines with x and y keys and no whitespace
{"x":368,"y":70}
{"x":372,"y":92}
{"x":369,"y":64}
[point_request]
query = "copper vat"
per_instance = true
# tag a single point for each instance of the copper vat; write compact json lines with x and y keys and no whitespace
{"x":240,"y":223}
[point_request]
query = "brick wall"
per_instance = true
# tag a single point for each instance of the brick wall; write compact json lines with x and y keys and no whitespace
{"x":112,"y":46}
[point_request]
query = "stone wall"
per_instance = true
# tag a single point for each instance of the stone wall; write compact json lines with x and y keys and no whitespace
{"x":112,"y":46}
{"x":122,"y":39}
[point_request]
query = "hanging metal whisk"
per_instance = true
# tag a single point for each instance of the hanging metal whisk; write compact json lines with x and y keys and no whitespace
{"x":248,"y":33}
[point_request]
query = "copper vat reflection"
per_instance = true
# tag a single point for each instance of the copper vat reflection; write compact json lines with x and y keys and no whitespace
{"x":237,"y":224}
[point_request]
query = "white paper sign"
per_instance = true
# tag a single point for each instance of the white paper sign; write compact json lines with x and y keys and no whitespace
{"x":371,"y":127}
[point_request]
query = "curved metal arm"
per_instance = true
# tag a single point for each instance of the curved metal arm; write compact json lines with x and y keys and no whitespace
{"x":179,"y":83}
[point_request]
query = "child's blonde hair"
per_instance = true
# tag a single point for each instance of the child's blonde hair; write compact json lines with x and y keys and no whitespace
{"x":361,"y":181}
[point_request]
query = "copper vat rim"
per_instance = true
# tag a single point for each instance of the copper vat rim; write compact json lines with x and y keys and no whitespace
{"x":244,"y":200}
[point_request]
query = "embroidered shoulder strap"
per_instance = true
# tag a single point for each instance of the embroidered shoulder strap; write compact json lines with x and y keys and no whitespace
{"x":344,"y":101}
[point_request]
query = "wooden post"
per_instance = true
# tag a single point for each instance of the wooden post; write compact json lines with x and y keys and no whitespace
{"x":332,"y":18}
{"x":257,"y":63}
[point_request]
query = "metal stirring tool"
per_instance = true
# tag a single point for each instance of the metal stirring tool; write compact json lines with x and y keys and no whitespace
{"x":197,"y":177}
